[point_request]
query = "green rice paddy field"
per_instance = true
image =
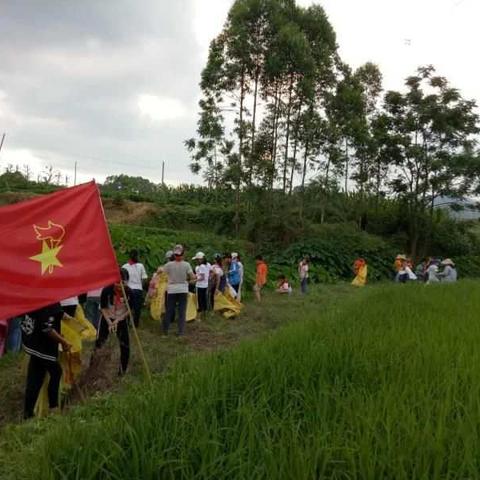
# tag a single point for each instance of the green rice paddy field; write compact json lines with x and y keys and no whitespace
{"x":382,"y":385}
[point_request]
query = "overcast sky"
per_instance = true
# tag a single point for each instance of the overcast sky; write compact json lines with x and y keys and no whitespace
{"x":113,"y":84}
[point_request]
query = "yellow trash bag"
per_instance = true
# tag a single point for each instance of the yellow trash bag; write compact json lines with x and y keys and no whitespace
{"x":157,"y":305}
{"x":82,"y":325}
{"x":191,"y":307}
{"x":75,"y":331}
{"x":227,"y":305}
{"x":361,"y":279}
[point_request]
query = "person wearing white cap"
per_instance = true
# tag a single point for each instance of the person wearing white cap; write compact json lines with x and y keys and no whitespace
{"x":202,"y":272}
{"x":236,"y":259}
{"x":234,"y":272}
{"x":449,"y":274}
{"x":179,"y":273}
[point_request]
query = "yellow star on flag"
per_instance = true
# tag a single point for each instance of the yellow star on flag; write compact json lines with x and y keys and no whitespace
{"x":48,"y":258}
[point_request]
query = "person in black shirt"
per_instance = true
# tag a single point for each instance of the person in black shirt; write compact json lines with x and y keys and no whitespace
{"x":41,"y":334}
{"x":115,"y":316}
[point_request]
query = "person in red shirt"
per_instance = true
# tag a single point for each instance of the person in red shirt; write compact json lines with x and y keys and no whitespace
{"x":261,"y":278}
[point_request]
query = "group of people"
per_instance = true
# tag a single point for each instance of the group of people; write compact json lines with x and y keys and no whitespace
{"x":429,"y":270}
{"x":117,"y":307}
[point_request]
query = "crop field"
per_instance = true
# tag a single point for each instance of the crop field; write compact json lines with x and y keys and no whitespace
{"x":382,"y":384}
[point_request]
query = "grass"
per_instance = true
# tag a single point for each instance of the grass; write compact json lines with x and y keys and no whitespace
{"x":382,"y":383}
{"x":212,"y":335}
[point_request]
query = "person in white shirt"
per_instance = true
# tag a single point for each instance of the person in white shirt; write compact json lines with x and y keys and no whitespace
{"x":283,"y":286}
{"x":303,"y":268}
{"x":405,"y":274}
{"x":202,"y":272}
{"x":449,"y":274}
{"x":432,"y":272}
{"x":137,"y":275}
{"x":217,"y":279}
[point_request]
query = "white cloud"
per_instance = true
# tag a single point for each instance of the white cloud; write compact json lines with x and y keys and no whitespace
{"x":159,"y":109}
{"x":208,"y":22}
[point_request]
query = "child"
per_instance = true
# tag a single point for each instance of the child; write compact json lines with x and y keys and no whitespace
{"x":261,"y":278}
{"x":283,"y":286}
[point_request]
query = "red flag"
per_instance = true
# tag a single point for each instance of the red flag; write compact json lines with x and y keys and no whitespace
{"x":53,"y":247}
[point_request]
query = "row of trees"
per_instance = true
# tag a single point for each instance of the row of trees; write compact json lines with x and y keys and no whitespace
{"x":17,"y":174}
{"x":280,"y":108}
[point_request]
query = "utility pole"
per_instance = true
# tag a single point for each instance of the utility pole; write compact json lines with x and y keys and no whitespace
{"x":75,"y":174}
{"x":163,"y":172}
{"x":1,"y":142}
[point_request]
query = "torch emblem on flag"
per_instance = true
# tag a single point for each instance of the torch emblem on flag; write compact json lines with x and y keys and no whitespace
{"x":51,"y":237}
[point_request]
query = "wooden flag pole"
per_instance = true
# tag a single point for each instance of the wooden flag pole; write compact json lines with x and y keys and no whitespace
{"x":137,"y":338}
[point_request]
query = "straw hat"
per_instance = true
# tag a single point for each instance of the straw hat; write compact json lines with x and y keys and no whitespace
{"x":400,"y":257}
{"x":199,"y":256}
{"x":448,"y":261}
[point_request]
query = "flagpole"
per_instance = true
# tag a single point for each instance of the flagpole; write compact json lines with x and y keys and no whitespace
{"x":137,"y":338}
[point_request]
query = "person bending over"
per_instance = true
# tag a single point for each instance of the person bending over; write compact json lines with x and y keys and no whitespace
{"x":114,"y":318}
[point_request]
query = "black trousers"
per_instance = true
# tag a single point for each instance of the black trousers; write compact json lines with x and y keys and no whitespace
{"x":136,"y":305}
{"x":37,"y":369}
{"x":174,"y":299}
{"x":202,"y":299}
{"x":123,"y":340}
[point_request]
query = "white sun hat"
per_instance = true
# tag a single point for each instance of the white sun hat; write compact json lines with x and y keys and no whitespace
{"x":448,"y":261}
{"x":199,"y":256}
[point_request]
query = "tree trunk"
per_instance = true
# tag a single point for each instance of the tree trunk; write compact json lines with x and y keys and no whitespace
{"x":295,"y":146}
{"x":287,"y":137}
{"x":325,"y":190}
{"x":377,"y":186}
{"x":240,"y":153}
{"x":304,"y":173}
{"x":346,"y":165}
{"x":254,"y":116}
{"x":275,"y":136}
{"x":305,"y":159}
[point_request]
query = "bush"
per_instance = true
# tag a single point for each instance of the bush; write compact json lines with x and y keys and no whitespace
{"x":333,"y":249}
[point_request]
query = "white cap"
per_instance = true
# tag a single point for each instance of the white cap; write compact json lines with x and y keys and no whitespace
{"x":199,"y":256}
{"x":178,"y":250}
{"x":234,"y":255}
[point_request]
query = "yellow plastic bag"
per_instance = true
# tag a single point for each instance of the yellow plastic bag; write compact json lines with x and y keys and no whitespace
{"x":361,"y":279}
{"x":75,"y":330}
{"x":191,"y":307}
{"x":157,"y":305}
{"x":227,"y":305}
